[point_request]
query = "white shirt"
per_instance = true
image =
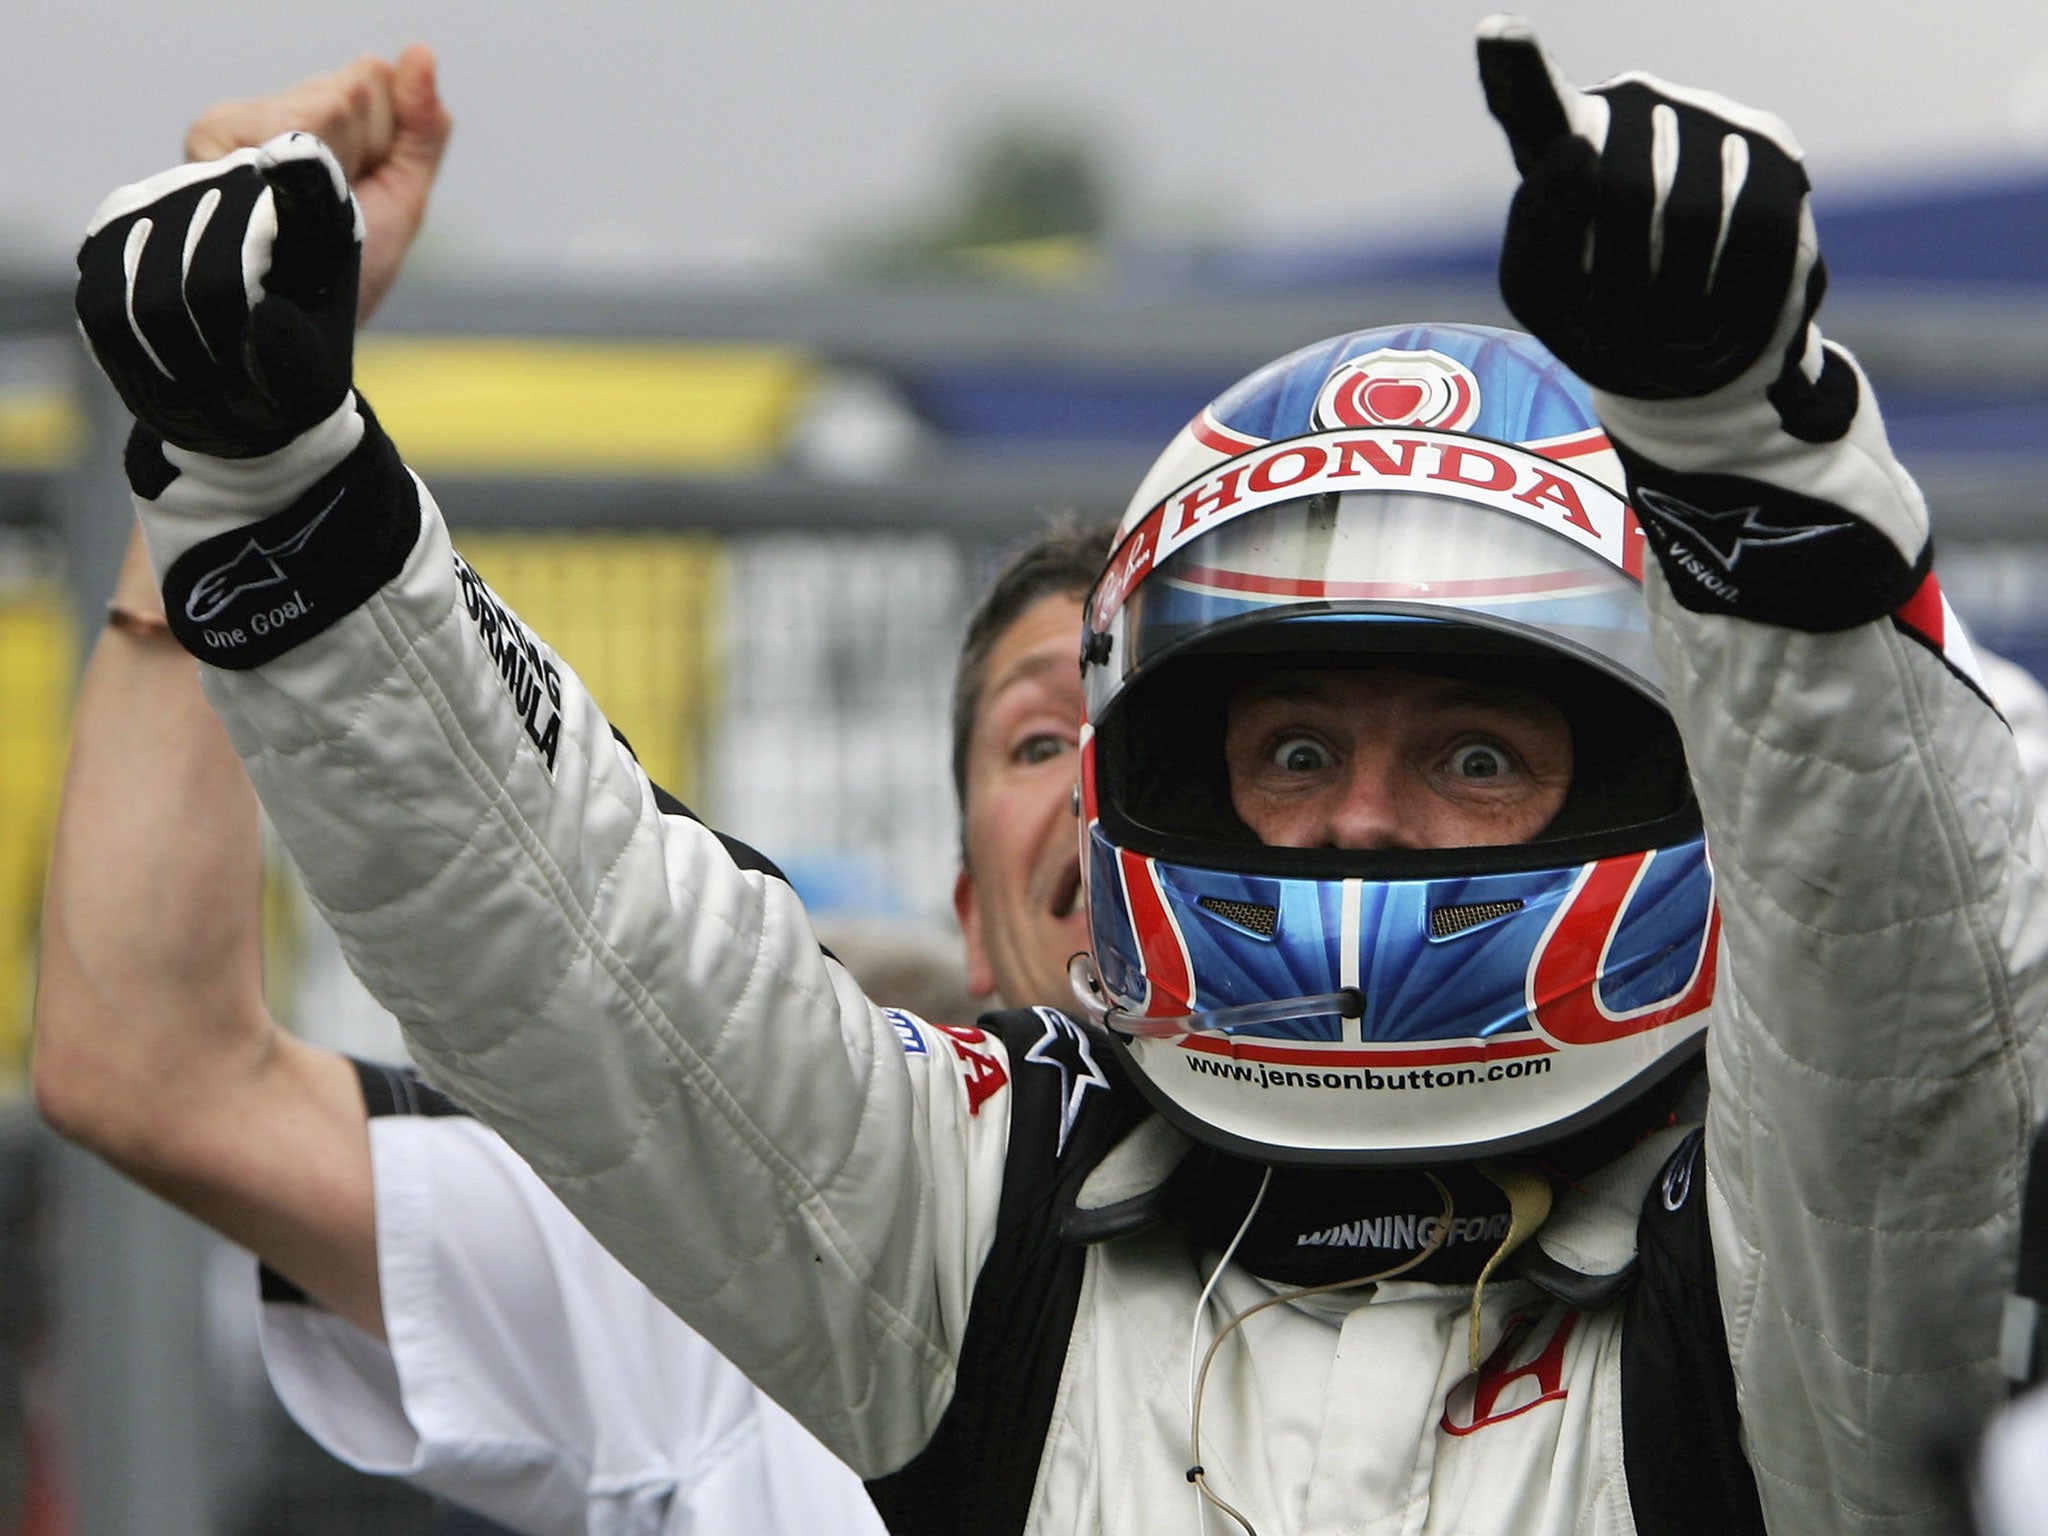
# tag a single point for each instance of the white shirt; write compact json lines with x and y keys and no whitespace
{"x":529,"y":1377}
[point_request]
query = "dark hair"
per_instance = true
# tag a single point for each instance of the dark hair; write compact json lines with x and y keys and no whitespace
{"x":1061,"y":562}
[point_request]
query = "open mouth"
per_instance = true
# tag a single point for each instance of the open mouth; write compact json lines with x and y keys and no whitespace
{"x":1067,"y":894}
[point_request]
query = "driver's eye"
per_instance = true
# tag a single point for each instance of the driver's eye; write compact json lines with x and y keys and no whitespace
{"x":1481,"y":760}
{"x":1039,"y":748}
{"x":1302,"y":754}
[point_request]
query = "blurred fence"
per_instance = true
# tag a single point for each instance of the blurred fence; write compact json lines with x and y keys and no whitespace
{"x":754,"y":524}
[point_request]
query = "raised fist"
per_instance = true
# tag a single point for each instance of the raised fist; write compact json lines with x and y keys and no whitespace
{"x":386,"y":125}
{"x":220,"y":298}
{"x":1660,"y":243}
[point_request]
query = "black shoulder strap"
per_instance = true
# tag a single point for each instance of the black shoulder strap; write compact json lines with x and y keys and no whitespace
{"x":390,"y":1090}
{"x":740,"y":853}
{"x":1681,"y":1436}
{"x":1068,"y":1107}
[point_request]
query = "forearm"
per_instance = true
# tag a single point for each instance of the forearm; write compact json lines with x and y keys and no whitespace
{"x":493,"y":863}
{"x":153,"y":1045}
{"x":151,"y":954}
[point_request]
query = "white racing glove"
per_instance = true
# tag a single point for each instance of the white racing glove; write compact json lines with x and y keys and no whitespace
{"x":1661,"y":243}
{"x":220,"y":300}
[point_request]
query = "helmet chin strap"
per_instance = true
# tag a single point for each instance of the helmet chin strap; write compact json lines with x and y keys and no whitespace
{"x":1099,"y":1008}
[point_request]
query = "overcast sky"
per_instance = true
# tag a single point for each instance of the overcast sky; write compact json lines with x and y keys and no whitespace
{"x":735,"y":135}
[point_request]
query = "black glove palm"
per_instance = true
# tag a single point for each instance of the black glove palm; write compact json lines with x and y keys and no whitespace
{"x":220,"y":299}
{"x":1655,"y":259}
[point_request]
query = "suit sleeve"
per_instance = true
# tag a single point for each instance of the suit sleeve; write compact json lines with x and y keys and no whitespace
{"x":636,"y":1004}
{"x":1877,"y":1030}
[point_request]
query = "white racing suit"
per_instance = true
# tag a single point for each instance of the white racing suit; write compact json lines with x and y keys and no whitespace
{"x":814,"y":1183}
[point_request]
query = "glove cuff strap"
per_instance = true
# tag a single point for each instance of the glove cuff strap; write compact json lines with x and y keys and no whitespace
{"x":248,"y":595}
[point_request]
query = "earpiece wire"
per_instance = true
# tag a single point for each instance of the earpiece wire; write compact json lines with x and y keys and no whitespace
{"x":1197,"y":1473}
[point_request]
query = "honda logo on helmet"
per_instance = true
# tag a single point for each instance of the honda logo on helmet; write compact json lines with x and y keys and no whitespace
{"x":1391,"y":388}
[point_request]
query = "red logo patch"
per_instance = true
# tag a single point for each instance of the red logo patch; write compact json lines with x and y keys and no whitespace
{"x":1502,"y":1389}
{"x":1390,"y":388}
{"x":980,"y":1067}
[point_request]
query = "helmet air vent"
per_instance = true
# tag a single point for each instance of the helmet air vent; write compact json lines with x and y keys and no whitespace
{"x":1445,"y":921}
{"x":1250,"y":915}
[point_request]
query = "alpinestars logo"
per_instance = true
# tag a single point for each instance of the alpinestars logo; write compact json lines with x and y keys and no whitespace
{"x":1065,"y":1048}
{"x":1723,"y":537}
{"x":1676,"y":1186}
{"x":253,"y":569}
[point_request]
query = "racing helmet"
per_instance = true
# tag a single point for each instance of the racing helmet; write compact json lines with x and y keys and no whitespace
{"x":1435,"y":499}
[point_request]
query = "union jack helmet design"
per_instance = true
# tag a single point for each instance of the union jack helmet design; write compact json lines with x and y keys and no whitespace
{"x":1437,"y":498}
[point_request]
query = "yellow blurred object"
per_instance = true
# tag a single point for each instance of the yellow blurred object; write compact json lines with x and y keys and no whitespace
{"x":502,"y":406}
{"x":37,"y":667}
{"x":1052,"y":261}
{"x":40,"y":429}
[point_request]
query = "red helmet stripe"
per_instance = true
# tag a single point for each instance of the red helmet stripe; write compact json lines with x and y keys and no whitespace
{"x":1576,"y":446}
{"x":1564,"y":973}
{"x":1168,"y":971}
{"x":1211,"y":433}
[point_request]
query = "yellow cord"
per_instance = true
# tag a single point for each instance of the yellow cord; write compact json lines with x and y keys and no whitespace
{"x":1528,"y":1195}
